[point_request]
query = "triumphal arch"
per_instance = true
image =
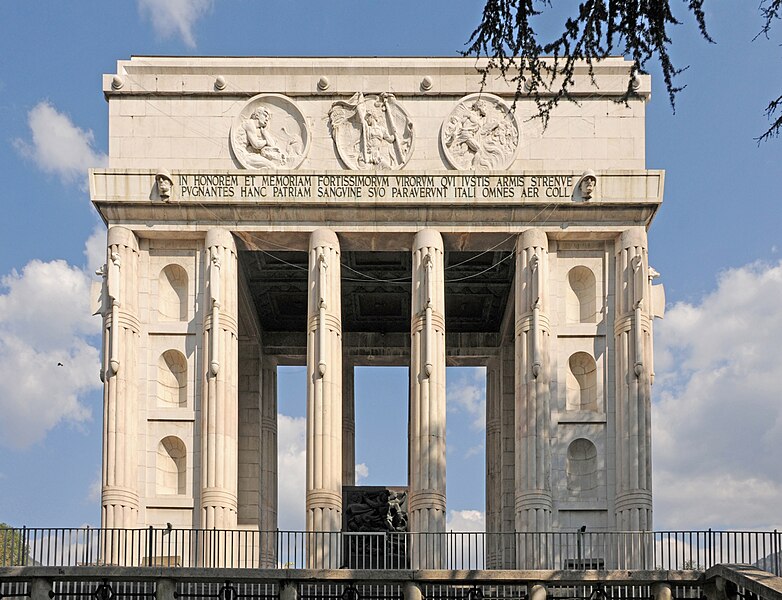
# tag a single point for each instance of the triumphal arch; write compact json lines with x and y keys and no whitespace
{"x":339,"y":212}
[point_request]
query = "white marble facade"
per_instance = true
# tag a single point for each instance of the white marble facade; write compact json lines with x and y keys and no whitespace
{"x":190,"y":415}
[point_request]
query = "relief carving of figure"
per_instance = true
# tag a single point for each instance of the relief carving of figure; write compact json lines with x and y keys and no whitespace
{"x":372,"y":132}
{"x":376,"y":510}
{"x":480,"y":134}
{"x":260,"y":138}
{"x":270,"y":133}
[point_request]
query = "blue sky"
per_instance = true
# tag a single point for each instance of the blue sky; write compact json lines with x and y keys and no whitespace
{"x":716,"y":242}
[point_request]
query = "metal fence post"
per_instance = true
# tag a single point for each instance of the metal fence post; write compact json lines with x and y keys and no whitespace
{"x":23,"y":547}
{"x":288,"y":590}
{"x":40,"y":589}
{"x":165,"y":589}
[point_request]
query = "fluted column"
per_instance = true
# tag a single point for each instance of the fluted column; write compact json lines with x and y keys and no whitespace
{"x":533,"y":453}
{"x":426,"y":504}
{"x":632,"y":334}
{"x":219,"y":397}
{"x":507,"y":360}
{"x":324,"y":396}
{"x":268,"y":500}
{"x":493,"y":464}
{"x":348,"y":424}
{"x":119,"y":371}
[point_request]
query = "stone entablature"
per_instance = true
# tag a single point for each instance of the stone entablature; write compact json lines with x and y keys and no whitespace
{"x":473,"y":200}
{"x":362,"y":114}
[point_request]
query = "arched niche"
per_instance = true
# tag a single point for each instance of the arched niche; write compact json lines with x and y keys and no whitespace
{"x":172,"y":294}
{"x":171,"y":466}
{"x":581,"y":382}
{"x":582,"y":475}
{"x":172,"y":380}
{"x":581,"y":296}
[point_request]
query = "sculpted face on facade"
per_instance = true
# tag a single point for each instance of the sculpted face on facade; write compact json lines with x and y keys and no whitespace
{"x":587,"y":185}
{"x":270,"y":133}
{"x":371,"y":132}
{"x":164,"y":184}
{"x":481,"y":134}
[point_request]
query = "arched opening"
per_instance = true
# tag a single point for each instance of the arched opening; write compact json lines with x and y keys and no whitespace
{"x":171,"y":466}
{"x":172,"y":294}
{"x":581,"y":301}
{"x":582,"y":467}
{"x":581,"y":382}
{"x":172,"y":380}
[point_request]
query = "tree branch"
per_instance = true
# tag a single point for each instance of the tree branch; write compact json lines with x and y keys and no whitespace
{"x":599,"y":29}
{"x":776,"y":127}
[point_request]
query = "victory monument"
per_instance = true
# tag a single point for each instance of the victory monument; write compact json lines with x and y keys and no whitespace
{"x":343,"y":212}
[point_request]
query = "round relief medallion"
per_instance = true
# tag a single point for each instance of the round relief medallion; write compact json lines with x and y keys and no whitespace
{"x":480,"y":134}
{"x":371,"y":132}
{"x":270,"y":133}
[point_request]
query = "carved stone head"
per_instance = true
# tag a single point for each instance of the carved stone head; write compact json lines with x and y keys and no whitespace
{"x":587,"y":185}
{"x":164,"y":184}
{"x":261,"y":115}
{"x":479,"y":106}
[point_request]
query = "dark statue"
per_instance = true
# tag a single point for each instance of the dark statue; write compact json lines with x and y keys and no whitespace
{"x":374,"y":523}
{"x":376,"y":510}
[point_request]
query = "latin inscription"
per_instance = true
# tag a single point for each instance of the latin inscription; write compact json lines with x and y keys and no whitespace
{"x":375,"y":187}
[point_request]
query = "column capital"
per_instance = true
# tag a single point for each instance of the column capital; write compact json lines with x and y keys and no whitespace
{"x":122,"y":236}
{"x":428,"y":238}
{"x":220,"y":237}
{"x":632,"y":237}
{"x":324,"y":237}
{"x":533,"y":238}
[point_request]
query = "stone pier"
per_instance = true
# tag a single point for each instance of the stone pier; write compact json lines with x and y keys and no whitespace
{"x":534,"y":500}
{"x":324,"y":395}
{"x":219,"y":413}
{"x":121,"y":328}
{"x":427,"y":398}
{"x":632,"y":334}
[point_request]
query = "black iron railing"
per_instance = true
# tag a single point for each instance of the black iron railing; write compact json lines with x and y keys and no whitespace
{"x":605,"y":550}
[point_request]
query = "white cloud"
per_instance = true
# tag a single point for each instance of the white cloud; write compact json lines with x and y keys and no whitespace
{"x":58,"y":146}
{"x":717,"y":420}
{"x":362,"y":472}
{"x":475,"y":450}
{"x":466,"y":393}
{"x":175,"y":17}
{"x":94,"y":491}
{"x":291,"y":469}
{"x":45,"y":322}
{"x":465,"y":520}
{"x":95,"y":248}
